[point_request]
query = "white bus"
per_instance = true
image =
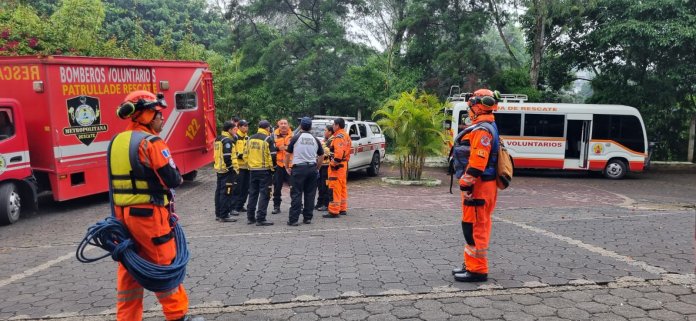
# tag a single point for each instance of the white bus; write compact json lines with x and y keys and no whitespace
{"x":607,"y":138}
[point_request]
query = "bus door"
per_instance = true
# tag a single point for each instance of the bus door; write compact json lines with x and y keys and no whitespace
{"x":577,"y":141}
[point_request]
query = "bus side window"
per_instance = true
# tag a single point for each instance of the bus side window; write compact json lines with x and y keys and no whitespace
{"x":509,"y":124}
{"x":624,"y":129}
{"x":543,"y":125}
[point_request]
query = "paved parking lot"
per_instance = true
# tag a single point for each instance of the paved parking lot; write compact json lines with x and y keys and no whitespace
{"x":569,"y":247}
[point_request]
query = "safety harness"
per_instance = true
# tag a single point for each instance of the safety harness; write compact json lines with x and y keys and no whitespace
{"x":460,"y":152}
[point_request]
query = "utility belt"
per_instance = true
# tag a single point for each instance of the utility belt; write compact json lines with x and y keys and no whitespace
{"x":474,"y":202}
{"x":148,"y":212}
{"x":305,"y":164}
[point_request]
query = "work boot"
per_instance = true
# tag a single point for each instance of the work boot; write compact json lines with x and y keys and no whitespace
{"x":329,"y":215}
{"x":264,"y":223}
{"x":233,"y":213}
{"x":343,"y":213}
{"x":471,"y":277}
{"x":459,"y":270}
{"x":251,"y":222}
{"x":226,"y":219}
{"x":306,"y":221}
{"x":322,"y":208}
{"x":190,"y":318}
{"x":293,"y":223}
{"x":276,"y":210}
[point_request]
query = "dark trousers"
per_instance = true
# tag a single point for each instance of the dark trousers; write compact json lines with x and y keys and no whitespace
{"x":304,"y":183}
{"x":259,"y":190}
{"x":241,"y":190}
{"x":280,"y":176}
{"x":223,"y":193}
{"x":323,"y":190}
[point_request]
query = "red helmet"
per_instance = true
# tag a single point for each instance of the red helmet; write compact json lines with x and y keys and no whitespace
{"x":141,"y":103}
{"x":485,"y":100}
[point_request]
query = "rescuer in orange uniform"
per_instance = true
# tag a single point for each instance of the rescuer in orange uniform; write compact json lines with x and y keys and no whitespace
{"x":142,"y":171}
{"x":338,"y":170}
{"x":282,"y":136}
{"x":479,"y":188}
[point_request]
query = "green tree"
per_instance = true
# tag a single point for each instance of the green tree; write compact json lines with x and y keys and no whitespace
{"x":77,"y":23}
{"x":414,"y":123}
{"x":644,"y":55}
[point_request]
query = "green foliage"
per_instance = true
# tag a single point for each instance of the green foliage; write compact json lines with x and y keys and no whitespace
{"x":413,"y":121}
{"x":643,"y":50}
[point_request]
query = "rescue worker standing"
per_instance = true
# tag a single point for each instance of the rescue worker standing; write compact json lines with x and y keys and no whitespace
{"x":282,"y":138}
{"x":338,"y":169}
{"x":226,"y":167}
{"x":241,"y":184}
{"x":141,"y":172}
{"x":323,"y":190}
{"x":479,"y":187}
{"x":257,"y":155}
{"x":306,"y":153}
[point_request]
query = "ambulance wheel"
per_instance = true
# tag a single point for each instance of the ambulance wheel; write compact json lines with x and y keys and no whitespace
{"x":373,"y":169}
{"x":190,"y":177}
{"x":615,"y":169}
{"x":10,"y":204}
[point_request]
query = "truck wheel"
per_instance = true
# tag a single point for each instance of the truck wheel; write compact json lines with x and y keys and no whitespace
{"x":615,"y":169}
{"x":190,"y":177}
{"x":10,"y":204}
{"x":373,"y":170}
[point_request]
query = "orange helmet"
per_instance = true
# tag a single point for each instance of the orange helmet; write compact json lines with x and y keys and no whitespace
{"x":485,"y":100}
{"x":141,"y":106}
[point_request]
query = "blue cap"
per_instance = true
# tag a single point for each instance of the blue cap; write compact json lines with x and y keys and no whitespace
{"x":306,"y":123}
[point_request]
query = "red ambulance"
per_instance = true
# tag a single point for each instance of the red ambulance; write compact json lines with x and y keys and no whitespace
{"x":58,"y":114}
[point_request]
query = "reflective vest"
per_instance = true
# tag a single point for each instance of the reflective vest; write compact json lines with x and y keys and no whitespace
{"x":224,"y":147}
{"x":462,"y":151}
{"x":133,"y":183}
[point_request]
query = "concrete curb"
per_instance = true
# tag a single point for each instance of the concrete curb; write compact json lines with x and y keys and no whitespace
{"x":429,"y":182}
{"x":655,"y":166}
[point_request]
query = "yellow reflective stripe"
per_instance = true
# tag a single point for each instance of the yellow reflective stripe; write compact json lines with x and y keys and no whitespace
{"x":169,"y":293}
{"x":131,"y":298}
{"x":475,"y":253}
{"x":124,"y":292}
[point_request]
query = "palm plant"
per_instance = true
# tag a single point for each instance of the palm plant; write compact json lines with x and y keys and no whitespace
{"x":413,"y":121}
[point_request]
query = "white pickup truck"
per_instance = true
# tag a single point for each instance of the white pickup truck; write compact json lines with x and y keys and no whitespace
{"x":369,"y":144}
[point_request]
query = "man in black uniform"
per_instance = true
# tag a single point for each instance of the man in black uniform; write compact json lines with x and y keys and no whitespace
{"x":307,"y":154}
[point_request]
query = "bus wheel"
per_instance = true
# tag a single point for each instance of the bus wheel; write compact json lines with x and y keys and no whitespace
{"x":615,"y":169}
{"x":190,"y":177}
{"x":10,"y":204}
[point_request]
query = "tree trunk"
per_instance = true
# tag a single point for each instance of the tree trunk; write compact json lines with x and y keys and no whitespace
{"x":499,"y":26}
{"x":538,"y":41}
{"x":692,"y":137}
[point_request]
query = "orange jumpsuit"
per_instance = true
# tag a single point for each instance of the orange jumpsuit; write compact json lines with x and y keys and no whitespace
{"x":338,"y":172}
{"x":145,"y":222}
{"x":477,"y":211}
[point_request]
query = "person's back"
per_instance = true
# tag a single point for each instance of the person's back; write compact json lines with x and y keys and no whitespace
{"x":307,"y":153}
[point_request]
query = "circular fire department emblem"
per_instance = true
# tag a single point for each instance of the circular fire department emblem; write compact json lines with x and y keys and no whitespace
{"x":85,"y":115}
{"x":598,"y":149}
{"x":3,"y":164}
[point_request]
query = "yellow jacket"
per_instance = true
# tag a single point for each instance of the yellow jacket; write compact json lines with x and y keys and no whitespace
{"x":257,"y":154}
{"x":240,"y":145}
{"x":225,"y":155}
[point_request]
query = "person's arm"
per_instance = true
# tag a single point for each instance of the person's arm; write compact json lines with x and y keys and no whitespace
{"x":160,"y":160}
{"x":320,"y":153}
{"x":289,"y":150}
{"x":227,"y":149}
